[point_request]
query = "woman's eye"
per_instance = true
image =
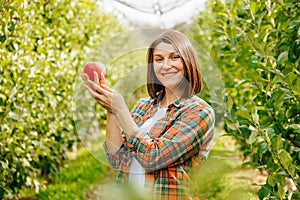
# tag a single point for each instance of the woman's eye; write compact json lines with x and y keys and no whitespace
{"x":158,"y":60}
{"x":175,"y":57}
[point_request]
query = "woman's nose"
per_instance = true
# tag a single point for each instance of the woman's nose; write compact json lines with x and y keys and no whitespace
{"x":166,"y":64}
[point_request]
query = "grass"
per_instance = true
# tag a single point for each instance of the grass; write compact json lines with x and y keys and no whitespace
{"x":76,"y":177}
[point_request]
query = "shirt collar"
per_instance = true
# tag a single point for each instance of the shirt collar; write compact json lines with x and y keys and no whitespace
{"x":178,"y":103}
{"x":181,"y":102}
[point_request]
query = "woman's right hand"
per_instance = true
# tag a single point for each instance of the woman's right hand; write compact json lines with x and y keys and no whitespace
{"x":110,"y":99}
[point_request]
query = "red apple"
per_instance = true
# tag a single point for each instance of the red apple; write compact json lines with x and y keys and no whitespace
{"x":98,"y":67}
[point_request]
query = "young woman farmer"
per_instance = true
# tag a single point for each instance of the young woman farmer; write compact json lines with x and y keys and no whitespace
{"x":155,"y":145}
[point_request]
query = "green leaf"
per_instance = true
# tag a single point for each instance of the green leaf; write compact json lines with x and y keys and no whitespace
{"x":296,"y":87}
{"x":296,"y":194}
{"x":243,"y":113}
{"x":277,"y":144}
{"x":255,"y":118}
{"x":228,"y":103}
{"x":262,"y":148}
{"x":272,"y":166}
{"x":4,"y":165}
{"x":13,"y":115}
{"x":285,"y":157}
{"x":246,"y":164}
{"x":294,"y":127}
{"x":290,"y":78}
{"x":253,"y":137}
{"x":232,"y":125}
{"x":271,"y":181}
{"x":253,"y":6}
{"x":10,"y":46}
{"x":282,"y":57}
{"x":264,"y":192}
{"x":2,"y":38}
{"x":269,"y":131}
{"x":293,"y":24}
{"x":281,"y":192}
{"x":2,"y":100}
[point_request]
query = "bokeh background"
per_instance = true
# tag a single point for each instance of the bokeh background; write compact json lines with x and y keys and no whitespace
{"x":51,"y":132}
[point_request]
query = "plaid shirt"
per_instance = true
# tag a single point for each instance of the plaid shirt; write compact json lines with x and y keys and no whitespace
{"x":173,"y":145}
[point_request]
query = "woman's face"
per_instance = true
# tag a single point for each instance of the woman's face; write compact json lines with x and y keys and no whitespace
{"x":168,"y":65}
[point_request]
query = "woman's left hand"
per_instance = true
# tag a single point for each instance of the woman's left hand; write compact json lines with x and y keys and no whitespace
{"x":110,"y":99}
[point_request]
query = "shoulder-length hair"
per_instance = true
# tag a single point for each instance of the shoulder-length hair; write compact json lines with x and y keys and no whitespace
{"x":192,"y":75}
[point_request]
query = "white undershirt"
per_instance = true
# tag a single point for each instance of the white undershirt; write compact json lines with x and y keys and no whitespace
{"x":137,"y":172}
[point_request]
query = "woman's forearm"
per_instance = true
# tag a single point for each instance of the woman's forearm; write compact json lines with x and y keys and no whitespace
{"x":113,"y":137}
{"x":126,"y":121}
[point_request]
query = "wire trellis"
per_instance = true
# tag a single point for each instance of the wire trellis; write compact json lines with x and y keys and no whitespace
{"x":153,"y":6}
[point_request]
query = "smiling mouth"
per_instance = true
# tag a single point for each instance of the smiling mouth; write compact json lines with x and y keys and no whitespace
{"x":169,"y":74}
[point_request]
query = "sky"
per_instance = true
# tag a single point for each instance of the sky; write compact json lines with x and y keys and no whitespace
{"x":183,"y":13}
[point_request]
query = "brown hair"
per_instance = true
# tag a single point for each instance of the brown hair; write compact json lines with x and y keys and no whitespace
{"x":192,"y":74}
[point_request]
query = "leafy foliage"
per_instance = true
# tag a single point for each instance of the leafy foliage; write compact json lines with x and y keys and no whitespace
{"x":256,"y":45}
{"x":43,"y":45}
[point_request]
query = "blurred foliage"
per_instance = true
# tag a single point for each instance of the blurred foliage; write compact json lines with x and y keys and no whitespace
{"x":78,"y":174}
{"x":43,"y":46}
{"x":256,"y":46}
{"x":76,"y":177}
{"x":215,"y":180}
{"x":43,"y":109}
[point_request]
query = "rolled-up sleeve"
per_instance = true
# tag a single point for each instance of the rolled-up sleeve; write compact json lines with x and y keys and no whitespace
{"x":118,"y":160}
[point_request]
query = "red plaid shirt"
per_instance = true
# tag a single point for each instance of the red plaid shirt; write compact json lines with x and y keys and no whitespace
{"x":173,"y":145}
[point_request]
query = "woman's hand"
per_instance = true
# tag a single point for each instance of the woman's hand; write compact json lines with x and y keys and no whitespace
{"x":110,"y":99}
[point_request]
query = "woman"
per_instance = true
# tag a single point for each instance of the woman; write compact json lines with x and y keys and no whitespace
{"x":167,"y":133}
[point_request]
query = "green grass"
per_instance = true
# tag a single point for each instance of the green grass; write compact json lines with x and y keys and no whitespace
{"x":76,"y":177}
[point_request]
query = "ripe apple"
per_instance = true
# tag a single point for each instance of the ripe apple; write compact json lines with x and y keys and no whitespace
{"x":98,"y":67}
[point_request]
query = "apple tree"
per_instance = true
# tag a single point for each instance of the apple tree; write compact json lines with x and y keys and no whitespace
{"x":256,"y":46}
{"x":43,"y":45}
